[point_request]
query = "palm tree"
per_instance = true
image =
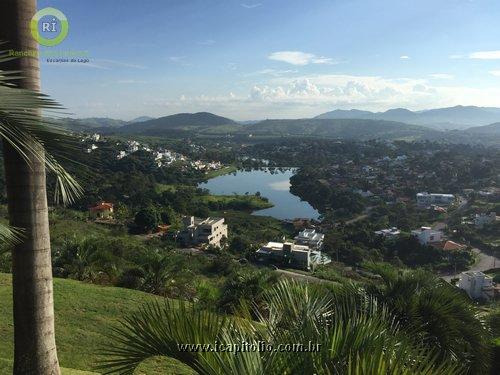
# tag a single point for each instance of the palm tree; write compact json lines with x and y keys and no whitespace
{"x":441,"y":315}
{"x":28,"y":149}
{"x":351,"y":332}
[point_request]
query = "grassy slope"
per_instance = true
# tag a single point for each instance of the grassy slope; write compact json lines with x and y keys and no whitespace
{"x":84,"y":313}
{"x":220,"y":172}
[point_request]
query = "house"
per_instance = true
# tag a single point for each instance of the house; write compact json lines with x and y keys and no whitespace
{"x":311,"y":238}
{"x":482,"y":219}
{"x":427,"y":236}
{"x":121,"y":155}
{"x":209,"y":231}
{"x":477,"y":285}
{"x":425,"y":199}
{"x":299,"y":256}
{"x":389,"y":232}
{"x":449,"y":245}
{"x":102,"y":210}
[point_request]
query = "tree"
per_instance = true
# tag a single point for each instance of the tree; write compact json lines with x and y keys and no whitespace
{"x":438,"y":313}
{"x":356,"y":335}
{"x":29,"y":147}
{"x":147,"y":219}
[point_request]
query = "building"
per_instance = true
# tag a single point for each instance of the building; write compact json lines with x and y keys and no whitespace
{"x":102,"y":210}
{"x":209,"y":231}
{"x":427,"y":235}
{"x":288,"y":253}
{"x":311,"y":238}
{"x":448,"y":245}
{"x":425,"y":199}
{"x":477,"y":285}
{"x":389,"y":232}
{"x":482,"y":219}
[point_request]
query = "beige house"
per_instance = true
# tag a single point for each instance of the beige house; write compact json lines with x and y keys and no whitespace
{"x":209,"y":231}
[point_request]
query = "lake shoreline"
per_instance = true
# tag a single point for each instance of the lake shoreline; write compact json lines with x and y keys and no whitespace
{"x":271,"y":183}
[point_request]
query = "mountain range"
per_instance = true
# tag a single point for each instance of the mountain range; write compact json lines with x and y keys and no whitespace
{"x":85,"y":124}
{"x":352,"y":124}
{"x":459,"y":117}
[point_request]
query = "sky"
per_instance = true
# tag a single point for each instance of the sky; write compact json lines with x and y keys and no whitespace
{"x":257,"y":59}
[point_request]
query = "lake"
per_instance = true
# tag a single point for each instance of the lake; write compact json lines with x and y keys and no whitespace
{"x":274,"y":186}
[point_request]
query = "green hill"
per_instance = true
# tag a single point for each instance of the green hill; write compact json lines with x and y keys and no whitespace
{"x":181,"y":122}
{"x":339,"y":128}
{"x":488,"y":130}
{"x":84,"y":313}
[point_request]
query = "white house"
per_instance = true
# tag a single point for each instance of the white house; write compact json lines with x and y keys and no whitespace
{"x":121,"y":155}
{"x":389,"y":232}
{"x":427,"y":235}
{"x":311,"y":238}
{"x":298,"y":255}
{"x":476,"y":284}
{"x":425,"y":199}
{"x":482,"y":219}
{"x":203,"y":231}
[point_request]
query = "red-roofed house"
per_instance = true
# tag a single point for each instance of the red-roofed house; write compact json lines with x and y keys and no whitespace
{"x":449,"y":246}
{"x":102,"y":210}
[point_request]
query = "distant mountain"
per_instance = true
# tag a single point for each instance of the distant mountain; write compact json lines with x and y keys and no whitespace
{"x":487,"y":130}
{"x":141,"y":119}
{"x":360,"y":129}
{"x":181,"y":122}
{"x":86,"y":124}
{"x":459,"y":117}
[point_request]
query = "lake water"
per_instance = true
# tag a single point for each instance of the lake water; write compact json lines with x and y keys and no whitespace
{"x":274,"y":186}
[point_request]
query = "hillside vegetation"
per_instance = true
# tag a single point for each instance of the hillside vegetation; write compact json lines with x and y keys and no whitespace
{"x":85,"y":314}
{"x":339,"y":128}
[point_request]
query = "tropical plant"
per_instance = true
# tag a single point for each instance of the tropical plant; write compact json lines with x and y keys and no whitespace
{"x":339,"y":331}
{"x":30,"y":146}
{"x":439,"y":314}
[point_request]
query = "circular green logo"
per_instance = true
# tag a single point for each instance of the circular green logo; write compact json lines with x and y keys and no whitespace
{"x":57,"y":26}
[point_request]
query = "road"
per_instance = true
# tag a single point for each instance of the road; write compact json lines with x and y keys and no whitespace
{"x":300,"y":276}
{"x":484,"y":262}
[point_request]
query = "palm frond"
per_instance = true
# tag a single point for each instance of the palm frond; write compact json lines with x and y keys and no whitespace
{"x":354,"y":335}
{"x":10,"y":236}
{"x":35,"y":138}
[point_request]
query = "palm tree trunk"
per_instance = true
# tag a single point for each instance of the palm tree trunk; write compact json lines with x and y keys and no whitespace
{"x":34,"y":335}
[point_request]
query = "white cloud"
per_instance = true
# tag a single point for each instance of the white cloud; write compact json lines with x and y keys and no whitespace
{"x":272,"y":72}
{"x":176,"y":59}
{"x":495,"y":73}
{"x":299,"y":96}
{"x":441,"y":76}
{"x":485,"y":55}
{"x":299,"y":58}
{"x":251,"y":6}
{"x":404,"y":57}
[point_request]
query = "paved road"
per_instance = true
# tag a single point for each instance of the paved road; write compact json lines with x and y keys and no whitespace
{"x":484,"y":262}
{"x":300,"y":276}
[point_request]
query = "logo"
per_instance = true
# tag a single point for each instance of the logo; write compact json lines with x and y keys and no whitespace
{"x":49,"y":26}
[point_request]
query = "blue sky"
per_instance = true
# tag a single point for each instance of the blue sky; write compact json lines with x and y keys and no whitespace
{"x":255,"y":59}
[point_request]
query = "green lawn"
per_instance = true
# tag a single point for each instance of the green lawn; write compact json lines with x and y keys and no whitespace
{"x":221,"y":172}
{"x":84,"y":314}
{"x":248,"y":202}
